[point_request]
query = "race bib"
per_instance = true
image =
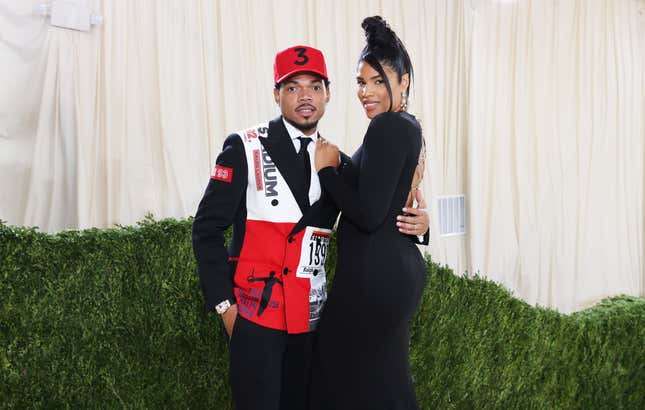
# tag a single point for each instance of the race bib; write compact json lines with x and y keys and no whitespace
{"x":315,"y":244}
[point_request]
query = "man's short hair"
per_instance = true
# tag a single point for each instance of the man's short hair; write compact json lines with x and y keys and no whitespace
{"x":326,"y":82}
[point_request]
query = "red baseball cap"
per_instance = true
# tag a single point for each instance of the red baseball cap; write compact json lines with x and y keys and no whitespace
{"x":298,"y":59}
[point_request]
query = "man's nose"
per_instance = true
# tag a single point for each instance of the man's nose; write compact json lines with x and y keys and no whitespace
{"x":305,"y":95}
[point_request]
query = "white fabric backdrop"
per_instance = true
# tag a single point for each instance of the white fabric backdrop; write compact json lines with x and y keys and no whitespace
{"x":555,"y":148}
{"x":533,"y":109}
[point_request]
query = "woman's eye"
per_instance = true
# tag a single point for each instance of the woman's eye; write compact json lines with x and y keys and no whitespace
{"x":379,"y":81}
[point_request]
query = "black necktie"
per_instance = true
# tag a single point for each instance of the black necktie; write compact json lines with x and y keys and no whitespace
{"x":303,"y":156}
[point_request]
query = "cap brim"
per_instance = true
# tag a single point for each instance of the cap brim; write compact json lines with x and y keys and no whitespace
{"x":295,"y":72}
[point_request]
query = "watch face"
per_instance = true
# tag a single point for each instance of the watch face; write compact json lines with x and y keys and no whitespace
{"x":223,"y":307}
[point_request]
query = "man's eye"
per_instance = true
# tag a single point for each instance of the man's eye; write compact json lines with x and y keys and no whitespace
{"x":291,"y":89}
{"x":317,"y":88}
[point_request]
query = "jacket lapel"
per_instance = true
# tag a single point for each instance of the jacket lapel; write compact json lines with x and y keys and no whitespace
{"x":283,"y":154}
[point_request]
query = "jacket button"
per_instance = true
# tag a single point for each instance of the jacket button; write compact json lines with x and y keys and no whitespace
{"x":285,"y":271}
{"x":315,"y":272}
{"x":290,"y":240}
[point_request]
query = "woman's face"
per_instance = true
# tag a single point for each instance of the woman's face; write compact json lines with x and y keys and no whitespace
{"x":372,"y":92}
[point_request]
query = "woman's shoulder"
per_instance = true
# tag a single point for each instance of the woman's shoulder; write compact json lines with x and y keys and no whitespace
{"x":394,"y":117}
{"x":401,"y":122}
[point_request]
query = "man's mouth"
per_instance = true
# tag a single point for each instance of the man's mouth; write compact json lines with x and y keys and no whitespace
{"x":305,"y":109}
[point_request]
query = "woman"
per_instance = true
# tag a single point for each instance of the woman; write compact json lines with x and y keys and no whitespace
{"x":361,"y":358}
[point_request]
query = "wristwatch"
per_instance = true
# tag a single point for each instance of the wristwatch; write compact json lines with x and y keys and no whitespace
{"x":222,"y":307}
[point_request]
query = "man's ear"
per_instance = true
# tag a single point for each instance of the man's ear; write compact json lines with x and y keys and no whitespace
{"x":276,"y":95}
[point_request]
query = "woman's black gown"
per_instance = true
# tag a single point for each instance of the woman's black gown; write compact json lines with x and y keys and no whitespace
{"x":361,"y":350}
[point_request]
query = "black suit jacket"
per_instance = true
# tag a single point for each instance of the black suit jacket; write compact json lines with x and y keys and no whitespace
{"x":224,"y":204}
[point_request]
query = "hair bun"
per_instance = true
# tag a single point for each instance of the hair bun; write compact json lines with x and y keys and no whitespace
{"x":378,"y":33}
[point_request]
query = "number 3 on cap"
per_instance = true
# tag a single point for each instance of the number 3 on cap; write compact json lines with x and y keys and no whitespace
{"x":301,"y":53}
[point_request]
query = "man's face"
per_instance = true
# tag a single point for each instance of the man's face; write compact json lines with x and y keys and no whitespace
{"x":302,"y":100}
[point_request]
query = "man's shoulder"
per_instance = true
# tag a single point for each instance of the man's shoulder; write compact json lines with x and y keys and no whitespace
{"x":234,"y":141}
{"x":249,"y":134}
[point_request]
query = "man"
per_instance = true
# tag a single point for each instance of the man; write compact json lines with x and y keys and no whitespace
{"x":269,"y":288}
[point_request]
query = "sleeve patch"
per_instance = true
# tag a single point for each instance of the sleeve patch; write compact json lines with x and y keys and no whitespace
{"x":223,"y":174}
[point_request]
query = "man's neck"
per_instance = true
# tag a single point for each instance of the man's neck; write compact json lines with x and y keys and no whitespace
{"x":307,"y":133}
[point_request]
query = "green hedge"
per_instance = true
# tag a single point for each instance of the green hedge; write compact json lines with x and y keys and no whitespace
{"x":113,"y":318}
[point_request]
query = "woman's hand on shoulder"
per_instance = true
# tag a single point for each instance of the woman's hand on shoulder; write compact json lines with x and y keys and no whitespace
{"x":327,"y":154}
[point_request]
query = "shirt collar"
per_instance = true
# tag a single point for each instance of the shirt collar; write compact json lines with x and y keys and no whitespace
{"x":294,"y":132}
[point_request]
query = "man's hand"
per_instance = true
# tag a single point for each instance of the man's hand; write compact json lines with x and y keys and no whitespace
{"x":417,"y":222}
{"x":229,"y":318}
{"x":327,"y":154}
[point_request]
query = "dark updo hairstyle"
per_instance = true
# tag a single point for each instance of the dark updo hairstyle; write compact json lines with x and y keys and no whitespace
{"x":385,"y":47}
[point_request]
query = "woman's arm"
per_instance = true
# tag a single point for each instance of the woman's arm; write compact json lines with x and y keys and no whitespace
{"x":385,"y":149}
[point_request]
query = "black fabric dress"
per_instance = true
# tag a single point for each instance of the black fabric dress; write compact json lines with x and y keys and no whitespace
{"x":361,"y":348}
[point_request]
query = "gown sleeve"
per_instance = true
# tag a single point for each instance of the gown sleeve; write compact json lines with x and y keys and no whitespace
{"x":385,"y":148}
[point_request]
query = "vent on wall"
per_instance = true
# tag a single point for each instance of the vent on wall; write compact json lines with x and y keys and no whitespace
{"x":452,"y":215}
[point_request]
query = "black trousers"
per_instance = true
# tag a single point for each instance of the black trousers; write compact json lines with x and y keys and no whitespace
{"x":269,"y":369}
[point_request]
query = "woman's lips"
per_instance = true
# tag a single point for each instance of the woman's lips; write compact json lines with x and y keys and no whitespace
{"x":369,"y":105}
